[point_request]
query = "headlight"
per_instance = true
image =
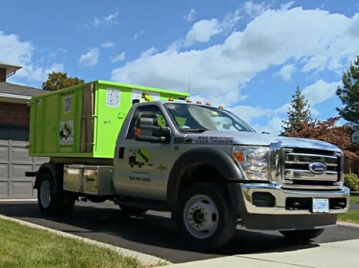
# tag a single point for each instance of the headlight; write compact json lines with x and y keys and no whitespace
{"x":253,"y":160}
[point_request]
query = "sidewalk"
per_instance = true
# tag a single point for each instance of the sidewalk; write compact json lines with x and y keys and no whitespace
{"x":326,"y":255}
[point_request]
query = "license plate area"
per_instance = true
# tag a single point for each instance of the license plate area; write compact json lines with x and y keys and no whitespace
{"x":320,"y":205}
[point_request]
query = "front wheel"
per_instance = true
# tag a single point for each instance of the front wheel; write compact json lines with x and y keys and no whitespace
{"x":205,"y":217}
{"x":53,"y":201}
{"x":302,"y":235}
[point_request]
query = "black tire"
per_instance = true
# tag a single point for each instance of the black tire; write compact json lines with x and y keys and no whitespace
{"x":53,"y":201}
{"x":302,"y":236}
{"x":212,"y":200}
{"x":132,"y":211}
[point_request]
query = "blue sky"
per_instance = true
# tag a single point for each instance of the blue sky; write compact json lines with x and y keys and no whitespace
{"x":246,"y":55}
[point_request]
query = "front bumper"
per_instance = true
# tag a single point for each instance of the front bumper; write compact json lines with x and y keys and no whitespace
{"x":281,"y":197}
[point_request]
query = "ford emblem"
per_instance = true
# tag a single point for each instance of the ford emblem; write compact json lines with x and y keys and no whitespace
{"x":318,"y":167}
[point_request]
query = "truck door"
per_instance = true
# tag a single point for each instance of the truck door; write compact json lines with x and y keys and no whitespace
{"x":143,"y":170}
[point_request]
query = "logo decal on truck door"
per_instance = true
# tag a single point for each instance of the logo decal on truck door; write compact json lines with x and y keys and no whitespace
{"x":140,"y":158}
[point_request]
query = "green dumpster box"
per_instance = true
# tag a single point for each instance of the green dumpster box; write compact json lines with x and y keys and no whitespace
{"x":83,"y":121}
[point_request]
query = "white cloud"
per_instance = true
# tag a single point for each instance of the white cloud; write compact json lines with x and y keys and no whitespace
{"x":274,"y":126}
{"x":57,"y":67}
{"x":14,"y":51}
{"x":320,"y":91}
{"x":148,"y":53}
{"x":354,"y":26}
{"x":171,"y":69}
{"x":90,"y":58}
{"x":59,"y":53}
{"x":137,"y":35}
{"x":286,"y":72}
{"x":253,"y":9}
{"x":110,"y":19}
{"x":119,"y":57}
{"x":273,"y":117}
{"x":286,"y":6}
{"x":283,"y":109}
{"x":190,"y":16}
{"x":38,"y":74}
{"x":230,"y":20}
{"x":203,"y":30}
{"x":107,"y":44}
{"x":221,"y":71}
{"x":247,"y":113}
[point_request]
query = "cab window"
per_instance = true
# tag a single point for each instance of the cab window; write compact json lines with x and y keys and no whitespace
{"x":150,"y":111}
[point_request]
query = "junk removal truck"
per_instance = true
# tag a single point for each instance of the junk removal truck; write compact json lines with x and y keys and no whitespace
{"x":152,"y":149}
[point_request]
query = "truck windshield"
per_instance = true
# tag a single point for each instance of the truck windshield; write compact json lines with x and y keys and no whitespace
{"x":196,"y":118}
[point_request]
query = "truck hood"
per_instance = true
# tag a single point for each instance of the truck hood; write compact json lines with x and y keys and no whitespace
{"x":252,"y":138}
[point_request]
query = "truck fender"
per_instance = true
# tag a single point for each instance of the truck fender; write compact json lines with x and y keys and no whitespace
{"x":221,"y":161}
{"x":57,"y":172}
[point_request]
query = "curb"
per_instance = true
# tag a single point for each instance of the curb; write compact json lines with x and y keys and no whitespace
{"x":343,"y":223}
{"x":145,"y":259}
{"x":17,"y":200}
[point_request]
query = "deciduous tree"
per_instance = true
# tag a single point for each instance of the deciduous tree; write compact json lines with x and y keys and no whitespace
{"x":328,"y":131}
{"x":58,"y":80}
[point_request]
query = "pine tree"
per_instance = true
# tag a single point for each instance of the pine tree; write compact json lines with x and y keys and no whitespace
{"x":298,"y":114}
{"x":349,"y":94}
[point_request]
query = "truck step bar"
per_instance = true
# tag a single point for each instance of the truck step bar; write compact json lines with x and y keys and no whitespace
{"x":142,"y":203}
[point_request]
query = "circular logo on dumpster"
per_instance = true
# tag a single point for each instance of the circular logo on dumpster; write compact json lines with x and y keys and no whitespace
{"x":318,"y":167}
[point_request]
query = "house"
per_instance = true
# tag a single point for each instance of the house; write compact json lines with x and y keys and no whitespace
{"x":14,"y":137}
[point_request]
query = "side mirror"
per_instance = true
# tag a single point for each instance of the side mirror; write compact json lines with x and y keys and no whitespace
{"x":147,"y":129}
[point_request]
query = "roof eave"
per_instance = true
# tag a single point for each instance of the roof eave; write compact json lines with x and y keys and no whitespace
{"x":12,"y":98}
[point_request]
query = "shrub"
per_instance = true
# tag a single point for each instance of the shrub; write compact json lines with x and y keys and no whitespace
{"x":351,"y":181}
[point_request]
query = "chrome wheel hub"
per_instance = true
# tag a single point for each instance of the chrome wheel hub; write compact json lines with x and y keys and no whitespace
{"x":45,"y":194}
{"x":201,"y":216}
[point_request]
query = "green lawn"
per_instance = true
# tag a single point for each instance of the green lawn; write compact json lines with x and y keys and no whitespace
{"x":353,"y":214}
{"x":354,"y":198}
{"x":21,"y":246}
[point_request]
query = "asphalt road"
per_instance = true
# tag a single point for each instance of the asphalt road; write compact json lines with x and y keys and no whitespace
{"x":153,"y":234}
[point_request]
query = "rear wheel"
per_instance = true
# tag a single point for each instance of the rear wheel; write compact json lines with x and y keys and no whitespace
{"x":205,"y":217}
{"x":302,"y":235}
{"x":53,"y":201}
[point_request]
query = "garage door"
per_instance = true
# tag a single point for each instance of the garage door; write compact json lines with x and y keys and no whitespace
{"x":14,"y":161}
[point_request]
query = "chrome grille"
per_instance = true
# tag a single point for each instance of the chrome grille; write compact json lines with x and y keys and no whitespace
{"x":296,"y":166}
